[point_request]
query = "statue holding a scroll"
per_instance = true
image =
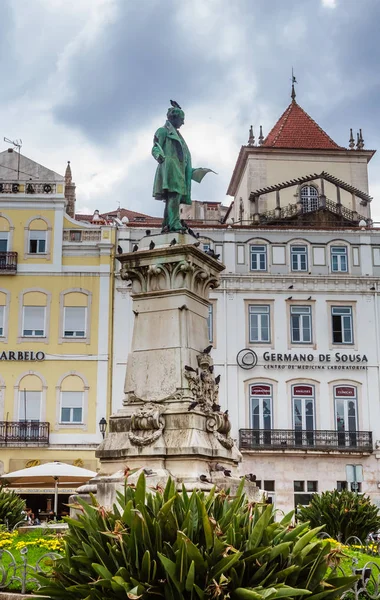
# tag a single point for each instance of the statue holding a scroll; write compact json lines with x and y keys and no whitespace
{"x":172,"y":182}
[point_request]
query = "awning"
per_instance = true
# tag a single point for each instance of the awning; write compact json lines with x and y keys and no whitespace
{"x":47,"y":491}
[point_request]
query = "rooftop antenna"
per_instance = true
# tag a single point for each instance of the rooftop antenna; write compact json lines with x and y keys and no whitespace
{"x":16,"y":144}
{"x":294,"y":80}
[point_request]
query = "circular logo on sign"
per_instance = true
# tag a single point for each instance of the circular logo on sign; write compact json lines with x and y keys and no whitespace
{"x":246,"y":359}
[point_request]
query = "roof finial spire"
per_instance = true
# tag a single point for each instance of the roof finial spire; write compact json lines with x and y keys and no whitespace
{"x":351,"y":143}
{"x":261,"y":137}
{"x":251,"y":139}
{"x":294,"y":80}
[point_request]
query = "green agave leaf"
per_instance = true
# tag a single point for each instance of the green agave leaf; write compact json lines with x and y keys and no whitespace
{"x":224,"y":565}
{"x":189,"y":583}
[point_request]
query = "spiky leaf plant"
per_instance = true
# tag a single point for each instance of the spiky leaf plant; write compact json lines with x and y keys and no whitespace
{"x":344,"y":514}
{"x":179,"y":546}
{"x":11,"y":508}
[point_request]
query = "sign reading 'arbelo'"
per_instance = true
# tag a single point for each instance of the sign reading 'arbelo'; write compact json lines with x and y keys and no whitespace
{"x":22,"y":355}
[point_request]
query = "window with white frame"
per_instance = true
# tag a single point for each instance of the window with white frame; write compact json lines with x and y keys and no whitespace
{"x":258,"y":258}
{"x":339,"y":262}
{"x":33,"y":321}
{"x":298,"y":255}
{"x":2,"y":311}
{"x":309,"y":198}
{"x":4,"y":241}
{"x":74,"y":322}
{"x":71,"y":407}
{"x":342,"y":329}
{"x":300,"y":324}
{"x":37,"y":242}
{"x":210,"y":325}
{"x":29,"y":405}
{"x":259,"y":323}
{"x":206,"y":247}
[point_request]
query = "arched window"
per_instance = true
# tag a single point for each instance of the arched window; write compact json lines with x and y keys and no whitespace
{"x":260,"y":400}
{"x":309,"y":198}
{"x":37,"y":237}
{"x":346,"y":414}
{"x":75,"y":305}
{"x":35,"y":314}
{"x":303,"y":414}
{"x":30,"y":391}
{"x":72,"y":400}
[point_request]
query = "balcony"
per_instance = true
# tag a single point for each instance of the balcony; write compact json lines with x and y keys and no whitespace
{"x":8,"y":263}
{"x":308,"y":441}
{"x":81,"y":235}
{"x":21,"y":433}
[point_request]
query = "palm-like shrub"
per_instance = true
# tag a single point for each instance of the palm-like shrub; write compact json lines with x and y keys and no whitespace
{"x":177,"y":546}
{"x":11,"y":508}
{"x":343,"y":514}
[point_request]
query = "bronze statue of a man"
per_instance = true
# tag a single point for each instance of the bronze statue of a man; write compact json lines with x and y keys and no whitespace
{"x":172,"y":182}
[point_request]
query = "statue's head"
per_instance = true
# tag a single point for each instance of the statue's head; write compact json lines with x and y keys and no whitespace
{"x":176,"y":116}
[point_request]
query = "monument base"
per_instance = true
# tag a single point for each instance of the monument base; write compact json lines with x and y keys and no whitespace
{"x":171,"y":423}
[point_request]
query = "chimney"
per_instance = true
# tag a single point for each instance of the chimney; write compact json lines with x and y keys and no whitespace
{"x":69,"y":192}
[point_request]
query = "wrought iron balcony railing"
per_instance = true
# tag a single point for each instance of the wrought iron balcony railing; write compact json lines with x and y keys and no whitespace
{"x":291,"y":439}
{"x":19,"y":433}
{"x":8,"y":263}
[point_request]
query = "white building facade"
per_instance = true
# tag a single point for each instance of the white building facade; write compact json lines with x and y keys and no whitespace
{"x":295,"y":322}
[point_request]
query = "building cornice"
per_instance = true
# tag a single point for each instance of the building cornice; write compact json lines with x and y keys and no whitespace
{"x":265,"y":152}
{"x":243,"y":283}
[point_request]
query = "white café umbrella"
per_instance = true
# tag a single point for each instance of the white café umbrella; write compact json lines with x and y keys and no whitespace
{"x":53,"y":474}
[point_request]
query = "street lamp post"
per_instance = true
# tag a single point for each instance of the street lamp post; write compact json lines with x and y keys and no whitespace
{"x":103,"y":426}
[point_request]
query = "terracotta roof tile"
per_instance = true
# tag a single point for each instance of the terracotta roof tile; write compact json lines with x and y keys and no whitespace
{"x":296,"y":129}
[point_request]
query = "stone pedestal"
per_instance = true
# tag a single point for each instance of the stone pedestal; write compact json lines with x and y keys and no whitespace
{"x":171,"y":422}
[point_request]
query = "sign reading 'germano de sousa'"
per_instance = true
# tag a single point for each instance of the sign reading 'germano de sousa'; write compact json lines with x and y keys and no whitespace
{"x":22,"y":355}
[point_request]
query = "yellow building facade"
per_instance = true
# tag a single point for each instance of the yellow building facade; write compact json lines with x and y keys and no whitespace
{"x":55,"y":319}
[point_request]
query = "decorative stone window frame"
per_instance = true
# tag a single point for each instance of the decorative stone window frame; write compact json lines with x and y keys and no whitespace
{"x":275,"y":408}
{"x":58,"y":391}
{"x":16,"y":402}
{"x":259,"y":242}
{"x":65,"y":340}
{"x":332,"y":384}
{"x":290,"y":383}
{"x":42,"y":255}
{"x":344,"y":303}
{"x":339,"y":244}
{"x":304,"y":345}
{"x":4,"y":337}
{"x":299,"y":242}
{"x":261,"y":302}
{"x":26,"y":339}
{"x":11,"y":230}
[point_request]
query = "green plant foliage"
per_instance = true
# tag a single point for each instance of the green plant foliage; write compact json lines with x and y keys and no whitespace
{"x":179,"y":546}
{"x":11,"y":508}
{"x":344,"y":514}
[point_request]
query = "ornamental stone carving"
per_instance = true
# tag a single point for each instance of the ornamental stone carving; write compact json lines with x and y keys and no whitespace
{"x":147,"y":425}
{"x":163,"y":272}
{"x":220,"y":425}
{"x":202,"y":383}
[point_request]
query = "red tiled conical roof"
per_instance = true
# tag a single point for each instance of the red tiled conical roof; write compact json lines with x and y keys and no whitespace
{"x":296,"y":129}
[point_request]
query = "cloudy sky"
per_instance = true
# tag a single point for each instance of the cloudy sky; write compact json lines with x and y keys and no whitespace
{"x":90,"y":81}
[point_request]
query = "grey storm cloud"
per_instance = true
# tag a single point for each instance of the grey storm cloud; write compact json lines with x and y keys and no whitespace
{"x":72,"y":89}
{"x":138,"y":63}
